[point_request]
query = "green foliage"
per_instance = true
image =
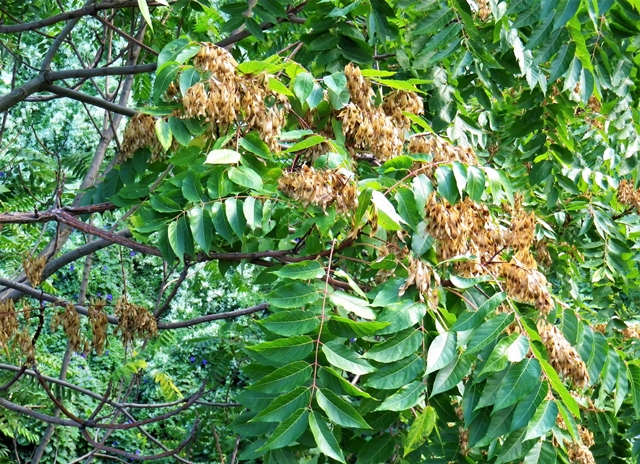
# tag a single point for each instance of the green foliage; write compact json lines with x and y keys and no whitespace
{"x":468,"y":296}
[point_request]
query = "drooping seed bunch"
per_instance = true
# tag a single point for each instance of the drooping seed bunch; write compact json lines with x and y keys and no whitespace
{"x":380,"y":130}
{"x":33,"y":268}
{"x":23,"y":344}
{"x":627,"y":195}
{"x":562,"y":356}
{"x":70,"y":321}
{"x":441,"y":150}
{"x":99,"y":323}
{"x":525,"y":283}
{"x":8,"y":322}
{"x":421,"y":276}
{"x":139,"y":133}
{"x":394,"y":103}
{"x":229,"y":97}
{"x":631,"y":331}
{"x":134,"y":322}
{"x":321,"y":187}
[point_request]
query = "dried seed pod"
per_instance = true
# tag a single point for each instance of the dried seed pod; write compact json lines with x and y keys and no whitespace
{"x":562,"y":356}
{"x":134,"y":322}
{"x":396,"y":102}
{"x":24,"y":345}
{"x":359,"y":88}
{"x":419,"y":275}
{"x":70,"y":322}
{"x":321,"y":187}
{"x":441,"y":150}
{"x":99,"y":323}
{"x":139,"y":133}
{"x":216,"y":59}
{"x":631,"y":331}
{"x":33,"y":268}
{"x":8,"y":322}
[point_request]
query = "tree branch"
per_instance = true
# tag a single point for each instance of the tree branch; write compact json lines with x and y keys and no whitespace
{"x":83,"y":97}
{"x":84,"y":11}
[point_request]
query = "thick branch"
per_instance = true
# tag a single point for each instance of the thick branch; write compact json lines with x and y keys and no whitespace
{"x":84,"y":11}
{"x":50,"y":215}
{"x":137,"y":457}
{"x":40,"y":295}
{"x":83,"y":97}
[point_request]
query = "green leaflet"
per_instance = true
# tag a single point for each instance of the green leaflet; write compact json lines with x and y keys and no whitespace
{"x":397,"y":374}
{"x":288,"y":431}
{"x":441,"y":351}
{"x":325,"y":439}
{"x":376,"y":450}
{"x":304,"y":270}
{"x":284,"y":378}
{"x":543,"y":452}
{"x":346,"y":328}
{"x":344,"y":358}
{"x":293,"y":295}
{"x":289,"y":323}
{"x":405,"y":398}
{"x":472,"y":319}
{"x":401,"y":315}
{"x":519,"y":380}
{"x":328,"y":375}
{"x":396,"y":348}
{"x":450,"y":375}
{"x":339,"y":411}
{"x":285,"y":350}
{"x":283,"y":406}
{"x":526,"y":408}
{"x":542,"y":421}
{"x":191,"y":187}
{"x":487,"y":333}
{"x":420,"y":429}
{"x":352,"y":304}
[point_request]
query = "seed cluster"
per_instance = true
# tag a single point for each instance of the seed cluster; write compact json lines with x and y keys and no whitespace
{"x":139,"y":133}
{"x":562,"y":356}
{"x":321,"y":187}
{"x":378,"y":129}
{"x":578,"y":452}
{"x":8,"y":322}
{"x":441,"y":150}
{"x":70,"y":321}
{"x":99,"y":323}
{"x":525,"y":283}
{"x":33,"y":268}
{"x":627,"y":195}
{"x":420,"y":275}
{"x":631,"y":331}
{"x":228,"y":97}
{"x":134,"y":322}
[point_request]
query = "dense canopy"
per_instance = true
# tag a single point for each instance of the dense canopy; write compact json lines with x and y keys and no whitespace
{"x":365,"y":232}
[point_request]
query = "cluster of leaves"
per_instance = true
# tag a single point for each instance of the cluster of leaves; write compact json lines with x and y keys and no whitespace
{"x":354,"y":365}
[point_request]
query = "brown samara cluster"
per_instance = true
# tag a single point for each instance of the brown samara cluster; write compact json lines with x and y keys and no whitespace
{"x":99,"y":322}
{"x":380,"y":130}
{"x":70,"y":321}
{"x":139,"y":133}
{"x":578,"y":452}
{"x":134,"y":322}
{"x":33,"y":268}
{"x":628,"y":196}
{"x":441,"y":150}
{"x":229,"y":97}
{"x":562,"y":356}
{"x":321,"y":188}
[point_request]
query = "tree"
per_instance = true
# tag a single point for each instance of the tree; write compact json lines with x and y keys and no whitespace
{"x":442,"y":197}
